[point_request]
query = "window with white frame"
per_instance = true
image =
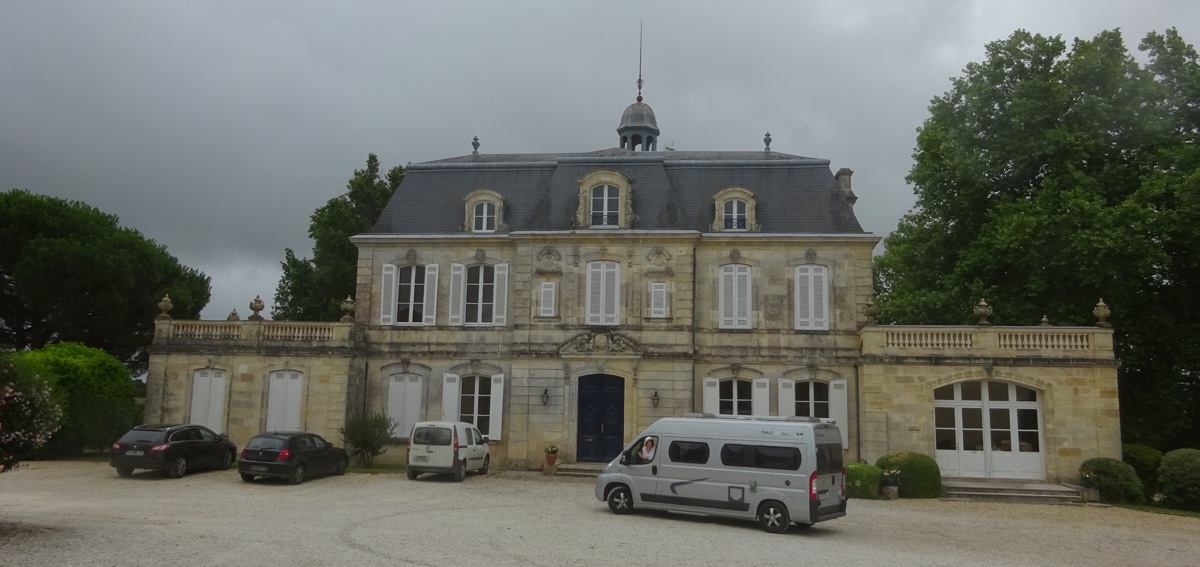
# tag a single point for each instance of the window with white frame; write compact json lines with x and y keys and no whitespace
{"x":606,"y":206}
{"x":478,"y":400}
{"x":404,"y":402}
{"x":734,"y":210}
{"x":735,"y":397}
{"x":735,"y":214}
{"x":603,"y":292}
{"x":285,"y":393}
{"x":546,"y":298}
{"x":812,"y":297}
{"x":485,"y":217}
{"x":734,"y":297}
{"x":658,"y":301}
{"x":812,"y":399}
{"x":408,"y":295}
{"x":479,"y":294}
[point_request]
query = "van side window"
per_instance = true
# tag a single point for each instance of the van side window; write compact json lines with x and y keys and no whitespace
{"x":829,"y":458}
{"x":761,"y":457}
{"x":690,"y":452}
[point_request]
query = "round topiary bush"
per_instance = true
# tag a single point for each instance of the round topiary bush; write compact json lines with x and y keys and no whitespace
{"x":920,"y":476}
{"x":1145,"y":462}
{"x":1179,"y":477}
{"x":1116,"y":480}
{"x":862,"y":480}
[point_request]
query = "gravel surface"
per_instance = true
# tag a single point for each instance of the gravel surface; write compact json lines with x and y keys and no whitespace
{"x":80,"y":513}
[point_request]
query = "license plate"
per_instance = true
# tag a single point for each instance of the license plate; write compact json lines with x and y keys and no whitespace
{"x":258,"y":468}
{"x":421,"y":459}
{"x":134,"y":453}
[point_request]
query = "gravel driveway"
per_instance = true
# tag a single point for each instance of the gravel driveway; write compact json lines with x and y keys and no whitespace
{"x":79,"y":513}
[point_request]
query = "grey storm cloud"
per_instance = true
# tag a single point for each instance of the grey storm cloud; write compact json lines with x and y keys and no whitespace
{"x":217,"y":128}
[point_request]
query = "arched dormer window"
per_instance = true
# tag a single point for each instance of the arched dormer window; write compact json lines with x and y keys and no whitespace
{"x":735,"y":211}
{"x":605,"y":201}
{"x":484,"y":212}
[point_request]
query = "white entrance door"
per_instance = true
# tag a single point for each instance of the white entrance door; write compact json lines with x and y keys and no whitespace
{"x":283,"y":401}
{"x":208,"y":399}
{"x":989,"y":429}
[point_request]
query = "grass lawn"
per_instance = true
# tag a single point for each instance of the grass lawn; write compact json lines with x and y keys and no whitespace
{"x":1159,"y":510}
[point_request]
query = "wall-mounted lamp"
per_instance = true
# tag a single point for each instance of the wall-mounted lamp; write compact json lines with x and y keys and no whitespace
{"x":654,"y":399}
{"x":546,"y":396}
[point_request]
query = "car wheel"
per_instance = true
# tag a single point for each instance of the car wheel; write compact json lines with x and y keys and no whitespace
{"x":487,"y":461}
{"x":341,"y":467}
{"x":124,"y":471}
{"x":620,"y":500}
{"x":247,"y":477}
{"x":412,"y":475}
{"x":297,"y":475}
{"x":227,"y":461}
{"x":773,"y":517}
{"x":178,"y":468}
{"x":460,"y":471}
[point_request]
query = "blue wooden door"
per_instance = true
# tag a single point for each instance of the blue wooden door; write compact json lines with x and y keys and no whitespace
{"x":601,"y":432}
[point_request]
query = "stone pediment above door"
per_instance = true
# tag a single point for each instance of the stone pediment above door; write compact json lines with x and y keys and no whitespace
{"x":600,"y":343}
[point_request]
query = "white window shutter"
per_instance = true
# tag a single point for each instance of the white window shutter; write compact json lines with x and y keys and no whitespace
{"x":431,"y":283}
{"x":546,"y":300}
{"x":201,"y":394}
{"x":760,"y":397}
{"x":500,"y":308}
{"x":395,"y":399}
{"x":216,"y":402}
{"x":820,"y":302}
{"x":787,"y":397}
{"x":595,"y":292}
{"x":803,"y":298}
{"x":293,"y":415}
{"x":612,"y":293}
{"x":496,"y":411}
{"x":412,"y":406}
{"x":387,"y":296}
{"x":658,"y":300}
{"x":458,"y":292}
{"x":450,"y":397}
{"x":712,"y":393}
{"x":839,"y":409}
{"x":727,"y":284}
{"x":277,"y":399}
{"x":742,"y":314}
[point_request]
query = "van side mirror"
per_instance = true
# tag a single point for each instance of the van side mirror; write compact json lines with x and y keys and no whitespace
{"x":328,"y":444}
{"x":222,"y":436}
{"x":624,"y":458}
{"x":485,"y":439}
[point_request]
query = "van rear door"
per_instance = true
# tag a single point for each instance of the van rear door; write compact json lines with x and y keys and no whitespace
{"x":828,"y":479}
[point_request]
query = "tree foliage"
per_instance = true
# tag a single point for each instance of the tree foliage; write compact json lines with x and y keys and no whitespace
{"x":69,"y":272}
{"x":368,"y":436}
{"x":313,"y":290}
{"x":29,"y":412}
{"x":1048,"y":178}
{"x":96,"y":394}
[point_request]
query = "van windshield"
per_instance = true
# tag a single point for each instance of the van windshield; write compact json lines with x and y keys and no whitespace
{"x":829,"y":458}
{"x":431,"y":436}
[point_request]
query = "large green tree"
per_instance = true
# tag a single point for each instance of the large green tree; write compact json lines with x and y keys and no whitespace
{"x":313,"y":290}
{"x":1049,"y":177}
{"x":69,"y":272}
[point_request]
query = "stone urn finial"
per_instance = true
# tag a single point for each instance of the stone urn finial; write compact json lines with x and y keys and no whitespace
{"x":870,"y":310}
{"x":348,"y":309}
{"x":1045,"y":322}
{"x":165,"y":307}
{"x":1102,"y":312}
{"x":256,"y":305}
{"x":233,"y":316}
{"x":983,"y":311}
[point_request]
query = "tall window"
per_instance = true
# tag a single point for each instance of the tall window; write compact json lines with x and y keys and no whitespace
{"x":208,"y":398}
{"x":735,"y":296}
{"x":606,"y":206}
{"x":485,"y":217}
{"x":410,"y":305}
{"x":658,"y":300}
{"x":603,"y":293}
{"x":481,"y":294}
{"x":475,"y":401}
{"x":735,"y":214}
{"x":404,"y":402}
{"x":285,"y":394}
{"x":734,"y":397}
{"x":812,"y":399}
{"x":812,"y":297}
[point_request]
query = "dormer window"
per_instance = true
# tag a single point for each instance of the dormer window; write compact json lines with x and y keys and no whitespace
{"x":734,"y":211}
{"x":485,"y":212}
{"x":605,"y":201}
{"x":606,"y":207}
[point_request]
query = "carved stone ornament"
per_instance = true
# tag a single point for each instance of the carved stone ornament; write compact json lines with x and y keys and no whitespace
{"x":480,"y":256}
{"x":1045,"y":322}
{"x":983,"y":311}
{"x":810,"y":256}
{"x":870,"y":310}
{"x":549,"y":262}
{"x":164,"y":306}
{"x":659,"y":258}
{"x":735,"y":369}
{"x":411,"y":256}
{"x":475,"y":365}
{"x":348,"y":308}
{"x":404,"y":364}
{"x":600,"y":342}
{"x":1102,"y":312}
{"x":233,"y":316}
{"x":735,"y":256}
{"x":256,"y":305}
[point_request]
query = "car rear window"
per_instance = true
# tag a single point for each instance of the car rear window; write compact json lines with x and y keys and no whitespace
{"x":829,"y":458}
{"x":265,"y":443}
{"x":431,"y":436}
{"x":143,"y":436}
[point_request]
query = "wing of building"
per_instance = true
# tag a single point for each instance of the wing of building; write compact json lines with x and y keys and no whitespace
{"x":575,"y":298}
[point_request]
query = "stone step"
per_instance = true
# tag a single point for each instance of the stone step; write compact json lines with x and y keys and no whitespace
{"x":1010,"y":491}
{"x":589,"y":470}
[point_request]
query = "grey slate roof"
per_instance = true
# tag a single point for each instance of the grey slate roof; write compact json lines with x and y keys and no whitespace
{"x":672,"y":190}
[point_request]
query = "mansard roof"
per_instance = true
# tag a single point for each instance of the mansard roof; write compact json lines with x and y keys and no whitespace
{"x":671,"y":190}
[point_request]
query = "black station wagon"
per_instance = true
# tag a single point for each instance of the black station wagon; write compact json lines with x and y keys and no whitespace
{"x":294,"y":455}
{"x":172,"y":448}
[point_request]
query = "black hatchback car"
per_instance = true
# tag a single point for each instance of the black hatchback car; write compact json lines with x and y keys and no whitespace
{"x":294,"y":455}
{"x":171,"y":448}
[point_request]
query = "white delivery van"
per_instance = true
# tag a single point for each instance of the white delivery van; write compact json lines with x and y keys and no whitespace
{"x":451,"y":447}
{"x":777,"y":470}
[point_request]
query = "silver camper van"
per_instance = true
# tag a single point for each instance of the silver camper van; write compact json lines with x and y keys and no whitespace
{"x":775,"y":470}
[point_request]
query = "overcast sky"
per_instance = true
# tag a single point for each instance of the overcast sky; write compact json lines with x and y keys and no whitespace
{"x":217,"y":128}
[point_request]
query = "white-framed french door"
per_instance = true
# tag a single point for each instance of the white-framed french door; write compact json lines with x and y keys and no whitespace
{"x":989,"y":428}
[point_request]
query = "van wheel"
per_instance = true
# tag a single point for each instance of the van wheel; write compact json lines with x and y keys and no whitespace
{"x":486,"y":463}
{"x":412,"y":475}
{"x":460,"y":471}
{"x":773,"y":517}
{"x":620,"y":500}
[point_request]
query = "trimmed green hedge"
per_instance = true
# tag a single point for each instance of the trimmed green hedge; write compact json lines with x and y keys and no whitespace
{"x":862,"y":481}
{"x":1116,"y":480}
{"x":1179,"y":477}
{"x":1145,"y":462}
{"x":920,"y":476}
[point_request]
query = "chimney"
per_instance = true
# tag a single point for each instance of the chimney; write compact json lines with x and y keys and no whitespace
{"x":842,"y":178}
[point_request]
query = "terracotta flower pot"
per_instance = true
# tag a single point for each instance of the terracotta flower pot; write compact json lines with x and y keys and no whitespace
{"x":551,"y":458}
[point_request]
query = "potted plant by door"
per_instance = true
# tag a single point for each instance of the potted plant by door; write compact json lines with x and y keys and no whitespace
{"x":551,"y":454}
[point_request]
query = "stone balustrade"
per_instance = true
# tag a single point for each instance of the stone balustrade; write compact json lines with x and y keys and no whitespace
{"x":1039,"y":341}
{"x":179,"y":332}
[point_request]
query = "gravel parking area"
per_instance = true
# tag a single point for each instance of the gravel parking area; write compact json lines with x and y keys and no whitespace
{"x":79,"y":513}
